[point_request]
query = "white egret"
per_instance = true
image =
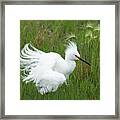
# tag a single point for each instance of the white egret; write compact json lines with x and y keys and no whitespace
{"x":48,"y":70}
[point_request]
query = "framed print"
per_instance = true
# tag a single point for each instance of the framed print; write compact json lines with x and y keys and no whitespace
{"x":60,"y":59}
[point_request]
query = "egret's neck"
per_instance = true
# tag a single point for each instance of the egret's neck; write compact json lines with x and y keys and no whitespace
{"x":69,"y":60}
{"x":67,"y":57}
{"x":70,"y":65}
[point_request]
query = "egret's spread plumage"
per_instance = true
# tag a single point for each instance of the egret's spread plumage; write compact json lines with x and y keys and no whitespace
{"x":48,"y":70}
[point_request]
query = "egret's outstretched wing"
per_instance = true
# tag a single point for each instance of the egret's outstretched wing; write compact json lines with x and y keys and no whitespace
{"x":29,"y":59}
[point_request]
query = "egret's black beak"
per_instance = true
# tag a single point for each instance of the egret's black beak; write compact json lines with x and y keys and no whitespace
{"x":83,"y":60}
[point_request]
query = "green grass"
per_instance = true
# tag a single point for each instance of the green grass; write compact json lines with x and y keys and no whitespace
{"x":84,"y":82}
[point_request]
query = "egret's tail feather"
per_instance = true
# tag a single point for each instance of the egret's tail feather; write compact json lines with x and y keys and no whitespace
{"x":28,"y":60}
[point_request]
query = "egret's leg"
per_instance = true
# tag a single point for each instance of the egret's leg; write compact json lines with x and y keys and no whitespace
{"x":67,"y":77}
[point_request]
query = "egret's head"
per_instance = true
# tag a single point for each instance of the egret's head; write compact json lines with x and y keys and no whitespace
{"x":71,"y":52}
